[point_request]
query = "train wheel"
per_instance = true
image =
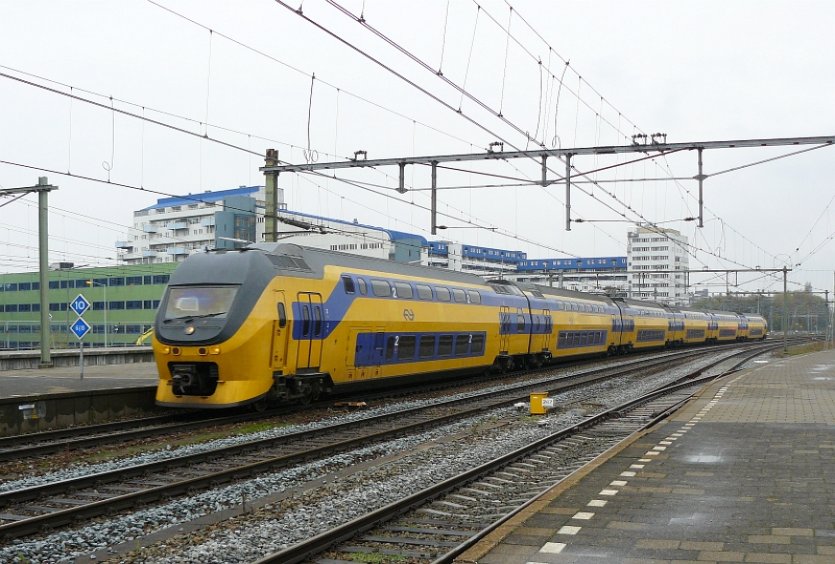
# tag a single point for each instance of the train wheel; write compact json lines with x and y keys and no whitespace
{"x":310,"y":392}
{"x":259,"y":406}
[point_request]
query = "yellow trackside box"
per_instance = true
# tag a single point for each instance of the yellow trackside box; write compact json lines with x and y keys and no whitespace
{"x":536,"y":403}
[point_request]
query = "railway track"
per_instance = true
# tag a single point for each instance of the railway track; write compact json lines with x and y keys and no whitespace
{"x":20,"y":447}
{"x":30,"y":510}
{"x":441,"y":522}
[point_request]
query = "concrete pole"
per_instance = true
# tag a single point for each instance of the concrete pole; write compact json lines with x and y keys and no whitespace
{"x":43,"y":270}
{"x":271,"y":198}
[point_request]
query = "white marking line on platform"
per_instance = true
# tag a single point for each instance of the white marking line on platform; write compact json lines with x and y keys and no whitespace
{"x":651,"y":453}
{"x":584,"y":515}
{"x":608,"y":492}
{"x":644,"y":460}
{"x":618,"y":483}
{"x":636,"y":466}
{"x":552,"y":547}
{"x":659,"y":448}
{"x":597,"y":503}
{"x":627,"y":474}
{"x":568,"y":530}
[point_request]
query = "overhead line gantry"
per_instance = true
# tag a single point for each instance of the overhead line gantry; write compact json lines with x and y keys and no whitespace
{"x":272,"y":169}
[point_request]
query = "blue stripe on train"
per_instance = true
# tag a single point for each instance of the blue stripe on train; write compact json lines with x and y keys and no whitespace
{"x":375,"y":349}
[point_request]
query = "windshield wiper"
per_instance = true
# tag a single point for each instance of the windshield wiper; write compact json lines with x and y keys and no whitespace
{"x":170,"y":319}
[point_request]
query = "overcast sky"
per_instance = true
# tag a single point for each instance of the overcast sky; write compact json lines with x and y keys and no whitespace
{"x":242,"y":73}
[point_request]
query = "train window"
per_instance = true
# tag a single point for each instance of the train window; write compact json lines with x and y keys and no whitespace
{"x":474,"y":296}
{"x":348,"y":284}
{"x":305,"y":321}
{"x":403,"y":290}
{"x":282,"y":315}
{"x":317,"y":321}
{"x":363,"y":287}
{"x":462,"y":344}
{"x":380,"y":288}
{"x":407,"y":347}
{"x":427,"y":346}
{"x":445,"y":345}
{"x":459,"y":295}
{"x":477,"y":344}
{"x":442,"y":294}
{"x":424,"y":292}
{"x":520,"y":322}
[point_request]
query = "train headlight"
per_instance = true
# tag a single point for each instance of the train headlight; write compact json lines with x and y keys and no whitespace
{"x":214,"y":350}
{"x":189,"y":330}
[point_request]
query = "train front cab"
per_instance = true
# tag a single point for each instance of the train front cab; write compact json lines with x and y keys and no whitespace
{"x":223,"y":373}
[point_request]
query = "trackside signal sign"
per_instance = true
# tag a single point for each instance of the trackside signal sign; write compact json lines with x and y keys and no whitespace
{"x":79,"y":305}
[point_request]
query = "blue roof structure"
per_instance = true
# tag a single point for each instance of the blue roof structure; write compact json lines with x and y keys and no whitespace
{"x":393,"y":234}
{"x":207,"y":196}
{"x":557,"y":264}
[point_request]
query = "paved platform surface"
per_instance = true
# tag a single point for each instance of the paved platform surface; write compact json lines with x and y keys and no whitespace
{"x":744,"y":473}
{"x":39,"y":381}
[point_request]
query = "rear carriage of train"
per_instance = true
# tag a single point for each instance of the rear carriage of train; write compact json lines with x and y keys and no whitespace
{"x":757,"y":326}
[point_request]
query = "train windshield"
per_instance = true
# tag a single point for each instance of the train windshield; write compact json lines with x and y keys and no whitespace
{"x":199,"y":301}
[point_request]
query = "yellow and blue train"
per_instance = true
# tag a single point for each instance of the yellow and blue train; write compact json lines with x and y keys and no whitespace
{"x":281,"y":322}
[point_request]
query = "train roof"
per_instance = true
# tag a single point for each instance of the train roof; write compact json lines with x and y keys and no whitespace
{"x":564,"y":294}
{"x":315,"y":260}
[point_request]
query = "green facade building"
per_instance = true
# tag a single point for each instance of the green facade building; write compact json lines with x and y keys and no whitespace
{"x":124,"y":300}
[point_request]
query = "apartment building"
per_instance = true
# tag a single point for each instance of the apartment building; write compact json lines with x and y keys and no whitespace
{"x":657,"y":261}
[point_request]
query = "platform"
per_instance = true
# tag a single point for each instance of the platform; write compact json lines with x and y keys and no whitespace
{"x":745,"y":472}
{"x":31,"y":382}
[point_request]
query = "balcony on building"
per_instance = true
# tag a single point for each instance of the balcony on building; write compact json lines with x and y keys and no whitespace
{"x":177,"y":225}
{"x":207,"y":221}
{"x":127,"y":245}
{"x":150,"y":228}
{"x":176,"y":251}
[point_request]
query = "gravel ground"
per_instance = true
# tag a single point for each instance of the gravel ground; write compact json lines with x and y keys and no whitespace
{"x":418,"y":461}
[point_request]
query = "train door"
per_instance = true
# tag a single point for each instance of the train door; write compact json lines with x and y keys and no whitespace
{"x":365,"y":353}
{"x":549,"y":328}
{"x":504,"y":329}
{"x":311,"y":326}
{"x":281,"y":333}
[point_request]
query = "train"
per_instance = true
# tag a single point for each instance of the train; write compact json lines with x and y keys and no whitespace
{"x":280,"y":322}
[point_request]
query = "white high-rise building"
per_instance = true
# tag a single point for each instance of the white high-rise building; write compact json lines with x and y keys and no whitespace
{"x":175,"y":227}
{"x":657,"y":261}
